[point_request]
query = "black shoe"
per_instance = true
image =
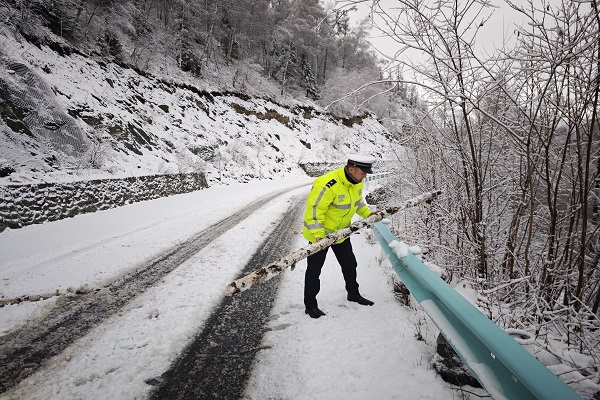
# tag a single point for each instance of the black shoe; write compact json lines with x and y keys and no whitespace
{"x":314,"y":312}
{"x":357,"y":298}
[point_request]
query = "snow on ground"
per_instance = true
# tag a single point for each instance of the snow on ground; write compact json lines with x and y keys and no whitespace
{"x":33,"y":257}
{"x":354,"y":352}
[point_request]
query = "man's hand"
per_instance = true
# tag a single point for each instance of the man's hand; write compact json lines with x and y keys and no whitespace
{"x":375,"y":212}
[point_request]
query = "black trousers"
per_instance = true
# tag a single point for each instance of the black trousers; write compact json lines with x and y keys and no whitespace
{"x":312,"y":284}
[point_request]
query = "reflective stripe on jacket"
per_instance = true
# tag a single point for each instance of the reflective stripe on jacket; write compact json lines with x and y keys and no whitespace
{"x":331,"y":204}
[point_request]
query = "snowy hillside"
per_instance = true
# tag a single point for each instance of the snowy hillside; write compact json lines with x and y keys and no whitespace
{"x":68,"y":117}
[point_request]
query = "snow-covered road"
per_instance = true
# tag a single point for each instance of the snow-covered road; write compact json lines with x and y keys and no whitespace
{"x":353,"y":353}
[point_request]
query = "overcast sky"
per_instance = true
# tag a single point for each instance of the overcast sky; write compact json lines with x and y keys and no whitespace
{"x":499,"y":28}
{"x":497,"y":32}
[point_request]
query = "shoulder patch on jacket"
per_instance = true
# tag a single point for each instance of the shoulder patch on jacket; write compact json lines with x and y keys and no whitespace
{"x":331,"y":183}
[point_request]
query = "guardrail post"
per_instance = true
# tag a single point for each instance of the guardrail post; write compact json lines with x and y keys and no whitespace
{"x":499,"y":363}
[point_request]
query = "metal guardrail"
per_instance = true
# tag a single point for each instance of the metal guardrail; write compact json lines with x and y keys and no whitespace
{"x":500,"y":364}
{"x":379,"y":175}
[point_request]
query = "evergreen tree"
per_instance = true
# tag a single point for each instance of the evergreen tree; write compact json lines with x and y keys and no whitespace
{"x":310,"y":83}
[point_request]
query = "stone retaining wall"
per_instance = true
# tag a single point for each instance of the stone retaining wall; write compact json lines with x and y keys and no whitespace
{"x":22,"y":205}
{"x":315,"y":169}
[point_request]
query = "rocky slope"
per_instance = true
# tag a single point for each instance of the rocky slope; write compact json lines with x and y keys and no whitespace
{"x":68,"y":117}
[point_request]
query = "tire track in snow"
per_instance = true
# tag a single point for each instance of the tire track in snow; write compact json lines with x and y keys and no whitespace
{"x":218,"y":362}
{"x":25,"y":349}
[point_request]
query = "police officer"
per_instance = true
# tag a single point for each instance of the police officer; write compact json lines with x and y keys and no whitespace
{"x":333,"y":200}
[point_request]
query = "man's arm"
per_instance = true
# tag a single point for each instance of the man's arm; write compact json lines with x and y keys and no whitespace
{"x":319,"y":199}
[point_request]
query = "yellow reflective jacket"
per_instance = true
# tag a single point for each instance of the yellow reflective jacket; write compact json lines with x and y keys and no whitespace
{"x":331,"y":204}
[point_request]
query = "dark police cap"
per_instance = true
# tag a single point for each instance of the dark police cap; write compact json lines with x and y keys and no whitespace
{"x":361,"y":161}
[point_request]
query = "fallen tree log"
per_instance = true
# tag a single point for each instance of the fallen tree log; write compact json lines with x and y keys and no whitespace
{"x":264,"y":274}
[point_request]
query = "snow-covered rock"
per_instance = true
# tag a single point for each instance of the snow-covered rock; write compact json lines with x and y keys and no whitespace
{"x":68,"y":117}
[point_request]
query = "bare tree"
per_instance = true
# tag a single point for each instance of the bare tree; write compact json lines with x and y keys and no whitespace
{"x":513,"y":138}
